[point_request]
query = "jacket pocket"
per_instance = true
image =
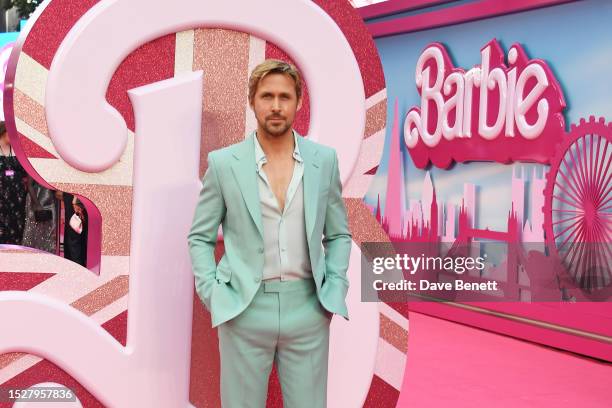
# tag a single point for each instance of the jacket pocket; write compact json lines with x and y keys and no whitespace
{"x":223,"y":274}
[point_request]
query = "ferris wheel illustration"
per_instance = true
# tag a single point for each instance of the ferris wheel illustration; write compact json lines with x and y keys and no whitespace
{"x":578,"y":207}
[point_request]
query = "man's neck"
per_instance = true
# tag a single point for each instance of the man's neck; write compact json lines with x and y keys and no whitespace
{"x":276,"y":146}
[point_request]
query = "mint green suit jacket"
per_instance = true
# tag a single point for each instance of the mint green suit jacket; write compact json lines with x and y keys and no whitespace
{"x":230,"y":198}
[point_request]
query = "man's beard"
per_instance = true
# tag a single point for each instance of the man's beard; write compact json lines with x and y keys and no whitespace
{"x":276,"y":130}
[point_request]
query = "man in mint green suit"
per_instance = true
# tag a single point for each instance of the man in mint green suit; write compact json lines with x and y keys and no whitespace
{"x":278,"y":199}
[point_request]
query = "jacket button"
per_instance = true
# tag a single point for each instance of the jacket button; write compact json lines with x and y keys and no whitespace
{"x":257,"y":279}
{"x":261,"y":250}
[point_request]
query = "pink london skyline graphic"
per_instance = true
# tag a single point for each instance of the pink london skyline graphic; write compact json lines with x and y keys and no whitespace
{"x":536,"y":247}
{"x":429,"y":219}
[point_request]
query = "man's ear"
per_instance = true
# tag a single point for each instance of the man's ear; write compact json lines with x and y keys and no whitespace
{"x":299,"y":104}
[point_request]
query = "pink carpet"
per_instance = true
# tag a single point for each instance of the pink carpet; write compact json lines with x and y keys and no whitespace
{"x":452,"y":365}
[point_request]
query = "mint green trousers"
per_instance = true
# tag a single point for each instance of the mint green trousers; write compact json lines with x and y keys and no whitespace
{"x":284,"y":324}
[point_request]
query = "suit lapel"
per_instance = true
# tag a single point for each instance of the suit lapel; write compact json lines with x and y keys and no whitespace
{"x":311,"y":184}
{"x":245,"y":172}
{"x":244,"y":169}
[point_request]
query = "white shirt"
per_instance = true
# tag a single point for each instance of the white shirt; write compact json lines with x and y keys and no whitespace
{"x":285,"y":242}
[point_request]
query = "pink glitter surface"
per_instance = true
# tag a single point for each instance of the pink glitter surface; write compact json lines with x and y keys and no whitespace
{"x":33,"y":150}
{"x":376,"y":118}
{"x":393,"y":334}
{"x":225,"y":87}
{"x":30,"y":111}
{"x":8,"y":358}
{"x":102,"y":296}
{"x":152,"y":62}
{"x":381,"y":395}
{"x":361,"y":42}
{"x":362,"y":223}
{"x":52,"y":27}
{"x":22,"y":281}
{"x":204,"y":383}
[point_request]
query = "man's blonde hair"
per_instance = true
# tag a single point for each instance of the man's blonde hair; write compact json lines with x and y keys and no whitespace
{"x":273,"y":66}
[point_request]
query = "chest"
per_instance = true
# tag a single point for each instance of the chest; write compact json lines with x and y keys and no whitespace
{"x":279,"y":174}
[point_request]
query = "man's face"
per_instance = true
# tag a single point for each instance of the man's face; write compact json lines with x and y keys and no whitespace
{"x":275,"y":104}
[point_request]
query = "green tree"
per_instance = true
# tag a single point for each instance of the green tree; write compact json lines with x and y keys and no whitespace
{"x":24,"y":7}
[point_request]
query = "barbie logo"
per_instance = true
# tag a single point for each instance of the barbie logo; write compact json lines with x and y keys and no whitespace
{"x":486,"y":113}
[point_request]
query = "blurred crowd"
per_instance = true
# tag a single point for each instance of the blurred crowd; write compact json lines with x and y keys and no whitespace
{"x":36,"y":217}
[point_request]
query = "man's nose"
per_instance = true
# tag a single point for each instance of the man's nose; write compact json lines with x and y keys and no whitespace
{"x":276,"y":105}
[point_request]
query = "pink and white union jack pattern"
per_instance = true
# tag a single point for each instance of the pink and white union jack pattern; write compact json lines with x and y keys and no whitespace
{"x":227,"y":57}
